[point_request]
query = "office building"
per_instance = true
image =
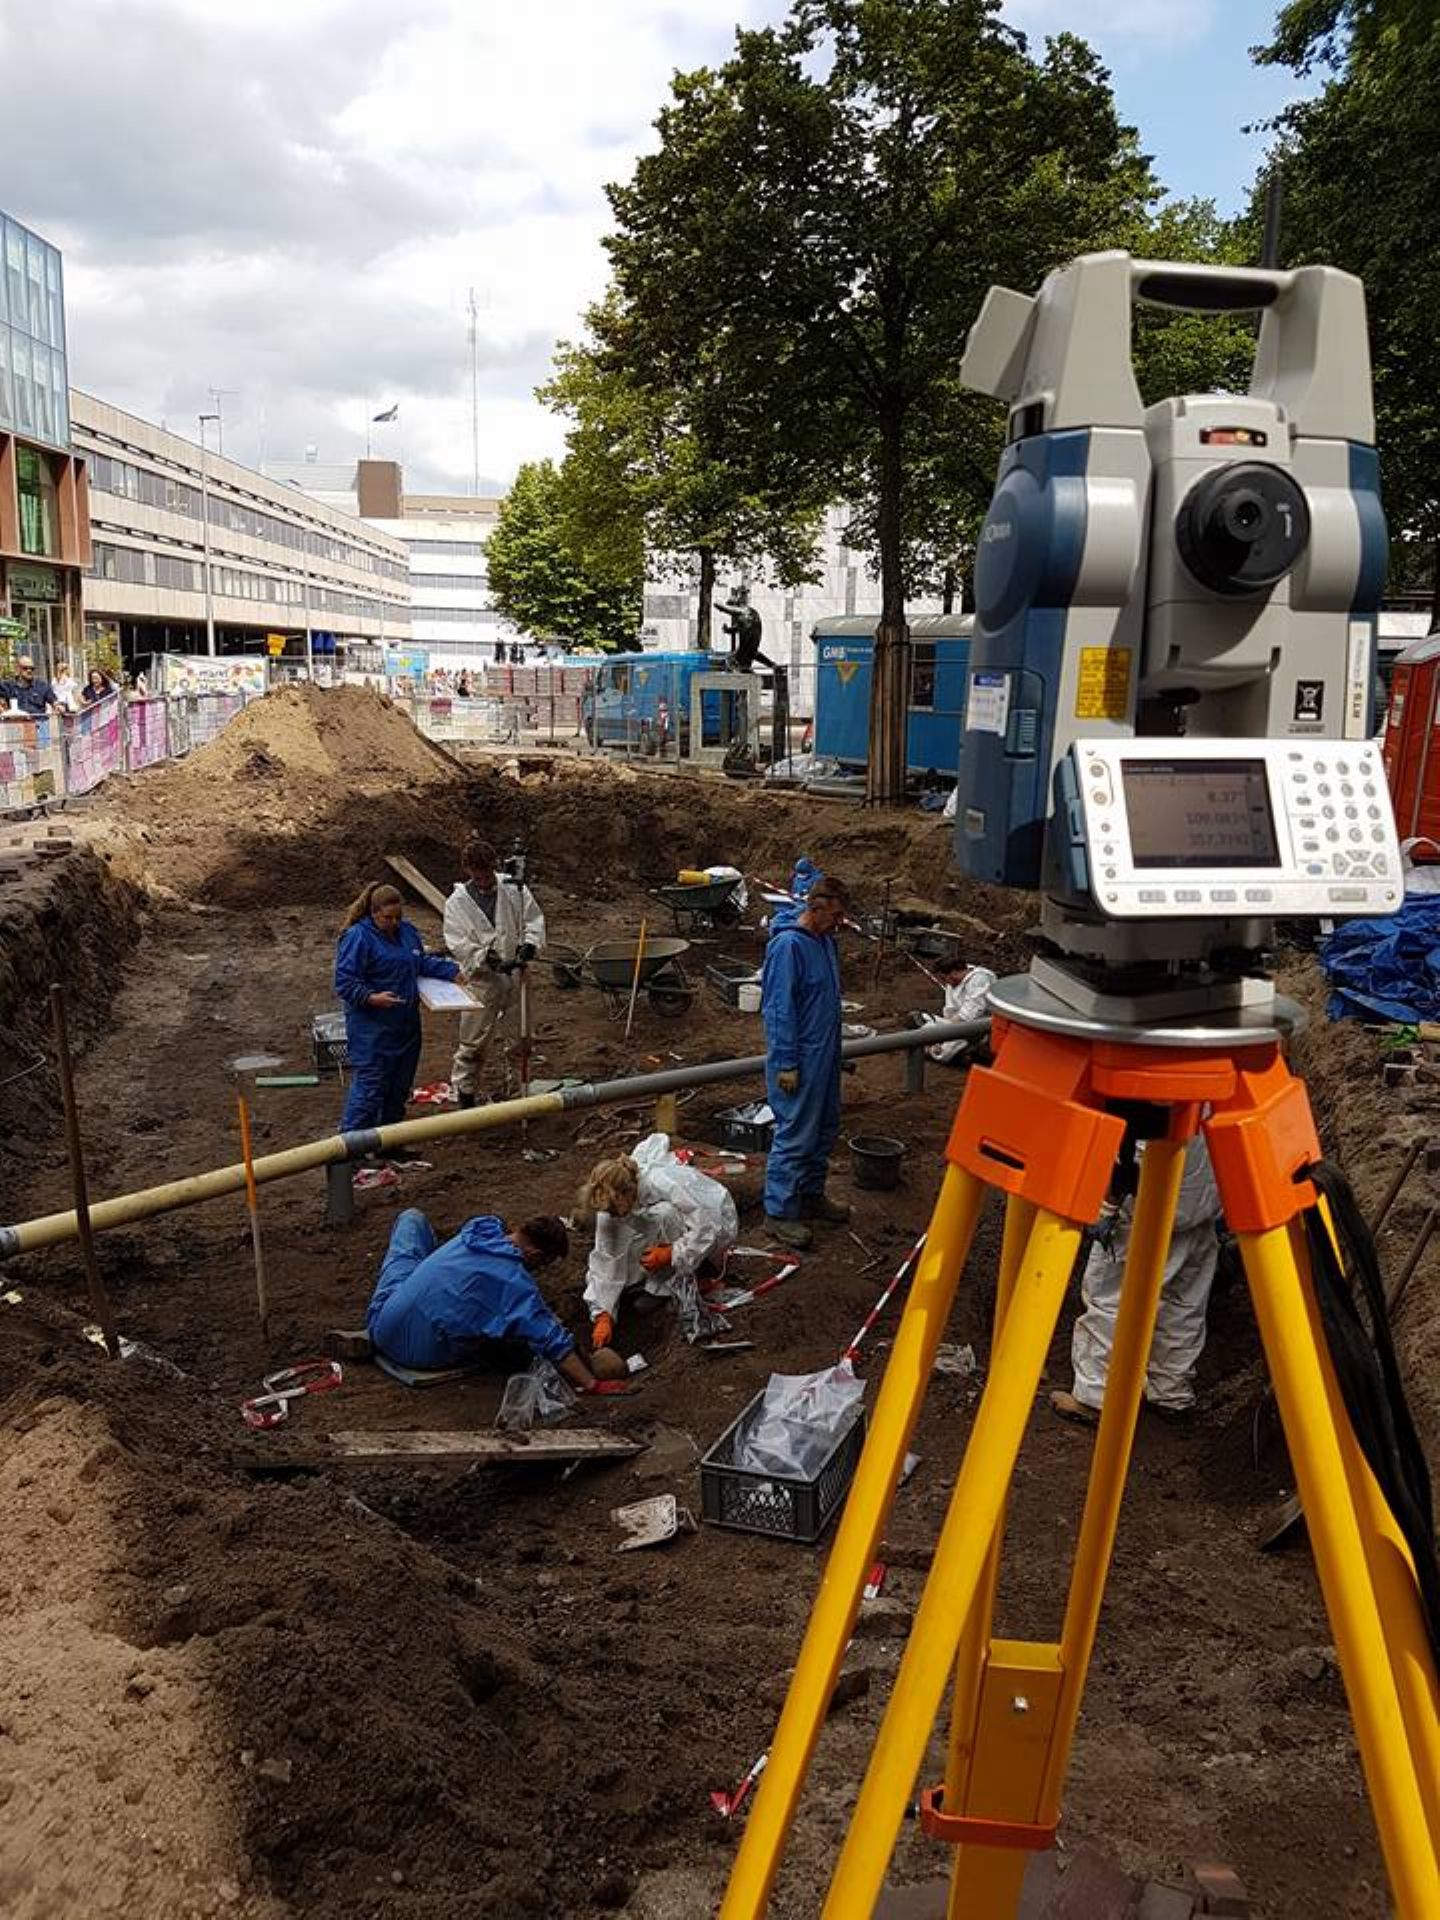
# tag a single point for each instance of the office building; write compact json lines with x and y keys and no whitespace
{"x":278,"y":561}
{"x":454,"y":626}
{"x":44,"y":526}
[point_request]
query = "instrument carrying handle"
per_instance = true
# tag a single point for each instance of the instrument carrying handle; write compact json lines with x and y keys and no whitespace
{"x":1202,"y":289}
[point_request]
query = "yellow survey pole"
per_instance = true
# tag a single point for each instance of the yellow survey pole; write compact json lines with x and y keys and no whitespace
{"x":832,"y":1620}
{"x":960,"y":1559}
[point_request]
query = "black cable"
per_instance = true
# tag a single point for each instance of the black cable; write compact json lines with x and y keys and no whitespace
{"x":1368,"y":1374}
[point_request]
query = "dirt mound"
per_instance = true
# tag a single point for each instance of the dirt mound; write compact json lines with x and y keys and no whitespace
{"x":298,"y":798}
{"x":305,"y":793}
{"x":598,"y":827}
{"x":343,"y":733}
{"x":229,"y":1697}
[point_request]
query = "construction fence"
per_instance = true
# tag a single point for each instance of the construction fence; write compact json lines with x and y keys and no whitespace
{"x":48,"y":758}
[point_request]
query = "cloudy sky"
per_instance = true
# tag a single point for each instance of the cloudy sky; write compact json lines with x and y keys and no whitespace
{"x":292,"y":199}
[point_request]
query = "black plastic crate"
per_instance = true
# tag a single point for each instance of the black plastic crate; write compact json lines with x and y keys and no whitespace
{"x":728,"y":976}
{"x":746,"y":1136}
{"x":784,"y":1508}
{"x":328,"y":1042}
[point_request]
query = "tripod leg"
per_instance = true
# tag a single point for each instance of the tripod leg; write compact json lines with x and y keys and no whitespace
{"x":960,"y":1559}
{"x":1161,"y":1172}
{"x":975,"y":1640}
{"x":1019,"y":1219}
{"x":1017,"y":1772}
{"x":1277,"y":1265}
{"x":832,"y":1620}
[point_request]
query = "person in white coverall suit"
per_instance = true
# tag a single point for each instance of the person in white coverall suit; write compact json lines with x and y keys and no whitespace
{"x":493,"y":928}
{"x":1184,"y":1299}
{"x":657,"y":1222}
{"x":967,"y":989}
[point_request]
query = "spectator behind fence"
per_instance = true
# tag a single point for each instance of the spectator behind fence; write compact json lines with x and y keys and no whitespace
{"x":27,"y":692}
{"x":97,"y":686}
{"x":67,"y":694}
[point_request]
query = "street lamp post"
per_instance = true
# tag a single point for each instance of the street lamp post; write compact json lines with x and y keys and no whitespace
{"x":305,"y":538}
{"x":205,"y":419}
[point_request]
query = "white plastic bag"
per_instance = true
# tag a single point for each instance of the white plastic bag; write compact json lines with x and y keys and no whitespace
{"x":536,"y":1398}
{"x":799,"y":1421}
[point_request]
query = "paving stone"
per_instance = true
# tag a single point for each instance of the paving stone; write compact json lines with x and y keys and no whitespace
{"x":1162,"y":1902}
{"x":1221,"y":1891}
{"x":1091,"y":1888}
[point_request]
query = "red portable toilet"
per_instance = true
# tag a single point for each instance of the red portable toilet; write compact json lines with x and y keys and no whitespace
{"x":1410,"y":749}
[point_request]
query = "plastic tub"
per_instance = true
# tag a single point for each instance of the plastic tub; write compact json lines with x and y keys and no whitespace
{"x":748,"y":997}
{"x":875,"y":1161}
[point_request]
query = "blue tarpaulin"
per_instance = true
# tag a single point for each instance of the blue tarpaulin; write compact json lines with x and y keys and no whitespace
{"x":1387,"y":969}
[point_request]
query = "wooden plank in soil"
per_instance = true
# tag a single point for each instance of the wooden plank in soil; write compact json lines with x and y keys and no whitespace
{"x":416,"y":881}
{"x":483,"y":1446}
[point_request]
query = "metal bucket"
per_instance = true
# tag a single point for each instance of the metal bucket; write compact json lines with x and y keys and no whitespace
{"x":875,"y":1161}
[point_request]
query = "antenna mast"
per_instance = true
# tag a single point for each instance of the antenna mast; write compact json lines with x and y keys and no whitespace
{"x":474,"y":393}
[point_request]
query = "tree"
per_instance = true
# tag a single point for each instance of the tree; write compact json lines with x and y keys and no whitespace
{"x":638,"y":472}
{"x":538,"y":580}
{"x":821,"y":222}
{"x":1361,"y":169}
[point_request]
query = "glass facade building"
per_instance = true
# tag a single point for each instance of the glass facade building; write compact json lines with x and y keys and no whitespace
{"x":34,"y":382}
{"x":44,"y":501}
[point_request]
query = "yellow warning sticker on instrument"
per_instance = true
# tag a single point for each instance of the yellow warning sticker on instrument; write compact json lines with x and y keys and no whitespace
{"x":1103,"y":689}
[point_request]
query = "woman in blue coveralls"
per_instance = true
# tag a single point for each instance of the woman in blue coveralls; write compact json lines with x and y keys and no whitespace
{"x":379,"y":963}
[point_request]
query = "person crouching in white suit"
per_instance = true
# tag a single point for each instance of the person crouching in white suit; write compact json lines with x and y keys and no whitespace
{"x":494,"y":929}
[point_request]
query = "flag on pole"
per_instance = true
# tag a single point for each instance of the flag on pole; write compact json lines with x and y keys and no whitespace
{"x":393,"y":414}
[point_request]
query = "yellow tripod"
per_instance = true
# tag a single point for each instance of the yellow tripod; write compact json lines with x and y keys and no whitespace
{"x":1040,"y":1126}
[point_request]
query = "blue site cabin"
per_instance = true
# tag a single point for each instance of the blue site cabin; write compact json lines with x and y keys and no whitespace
{"x":939,"y":655}
{"x":639,"y":700}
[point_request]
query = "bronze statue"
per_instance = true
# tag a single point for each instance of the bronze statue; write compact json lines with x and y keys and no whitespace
{"x":744,"y":630}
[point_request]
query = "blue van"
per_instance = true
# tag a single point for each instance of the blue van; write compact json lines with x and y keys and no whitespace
{"x":939,"y":656}
{"x":640,"y":702}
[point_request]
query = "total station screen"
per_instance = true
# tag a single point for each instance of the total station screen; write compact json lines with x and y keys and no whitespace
{"x":1200,"y":813}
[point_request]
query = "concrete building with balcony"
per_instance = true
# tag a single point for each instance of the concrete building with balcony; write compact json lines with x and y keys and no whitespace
{"x":164,"y":511}
{"x":44,"y":522}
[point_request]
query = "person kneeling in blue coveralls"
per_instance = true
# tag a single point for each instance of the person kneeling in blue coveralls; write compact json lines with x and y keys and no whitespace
{"x":800,"y":1004}
{"x":379,"y":963}
{"x":449,"y":1305}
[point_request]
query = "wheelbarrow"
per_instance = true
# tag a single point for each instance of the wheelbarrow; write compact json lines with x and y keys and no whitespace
{"x":710,"y":903}
{"x":611,"y":965}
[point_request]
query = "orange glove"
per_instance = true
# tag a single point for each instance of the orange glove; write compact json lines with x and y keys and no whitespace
{"x":656,"y":1259}
{"x":602,"y":1330}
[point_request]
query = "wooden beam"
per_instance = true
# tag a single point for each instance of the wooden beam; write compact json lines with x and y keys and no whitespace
{"x":484,"y":1445}
{"x":416,"y":881}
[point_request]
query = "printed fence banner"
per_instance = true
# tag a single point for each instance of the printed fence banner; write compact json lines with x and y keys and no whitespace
{"x":94,"y":748}
{"x":147,"y":736}
{"x":32,"y":760}
{"x":210,"y":714}
{"x":198,"y":673}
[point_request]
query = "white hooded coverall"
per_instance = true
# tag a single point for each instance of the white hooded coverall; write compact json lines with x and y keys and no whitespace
{"x":1184,"y":1296}
{"x":964,"y":1000}
{"x":471,"y":937}
{"x":677,"y":1206}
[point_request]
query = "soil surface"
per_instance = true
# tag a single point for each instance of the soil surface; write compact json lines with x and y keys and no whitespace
{"x":420,"y":1692}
